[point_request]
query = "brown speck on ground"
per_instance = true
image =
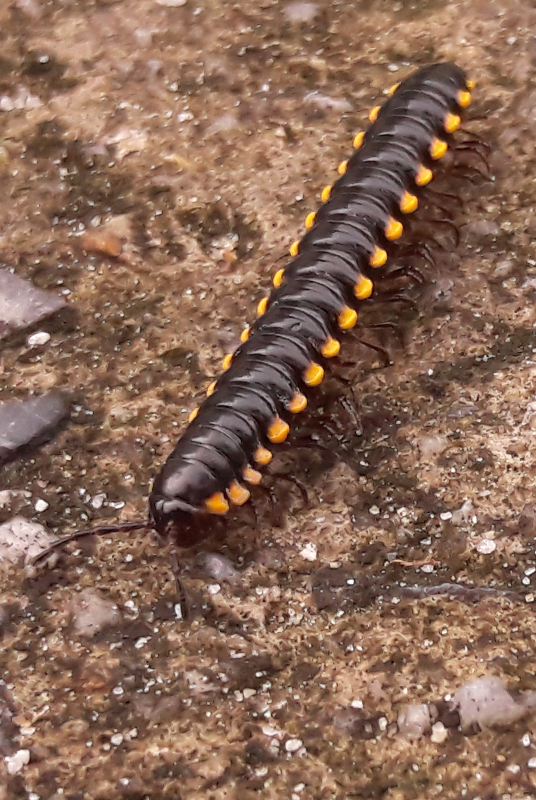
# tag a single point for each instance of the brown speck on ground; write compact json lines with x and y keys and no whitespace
{"x":209,"y":129}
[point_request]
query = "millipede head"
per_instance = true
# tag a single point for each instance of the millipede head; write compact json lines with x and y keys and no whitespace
{"x":178,"y":522}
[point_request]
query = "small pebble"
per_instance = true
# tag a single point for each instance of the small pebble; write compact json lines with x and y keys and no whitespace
{"x":103,"y":241}
{"x":486,"y":546}
{"x":217,"y":567}
{"x":98,"y":500}
{"x":309,"y":552}
{"x":41,"y":505}
{"x":293,"y":745}
{"x":116,"y":739}
{"x":415,"y":721}
{"x":38,"y":339}
{"x":531,"y":763}
{"x":439,"y":733}
{"x":300,"y":11}
{"x":17,"y":761}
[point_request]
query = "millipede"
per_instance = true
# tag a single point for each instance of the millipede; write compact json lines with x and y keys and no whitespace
{"x":349,"y":243}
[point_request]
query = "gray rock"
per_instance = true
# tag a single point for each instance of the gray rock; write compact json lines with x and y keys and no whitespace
{"x":415,"y":721}
{"x":92,"y":612}
{"x":23,"y":305}
{"x":487,"y":703}
{"x":20,"y":537}
{"x":29,"y":422}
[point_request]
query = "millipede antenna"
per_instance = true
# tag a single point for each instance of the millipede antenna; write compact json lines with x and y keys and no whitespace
{"x":100,"y":531}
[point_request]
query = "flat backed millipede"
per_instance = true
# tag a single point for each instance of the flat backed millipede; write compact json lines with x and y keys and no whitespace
{"x":349,"y":244}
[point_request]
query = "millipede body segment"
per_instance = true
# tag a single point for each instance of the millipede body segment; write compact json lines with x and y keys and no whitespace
{"x":315,"y":299}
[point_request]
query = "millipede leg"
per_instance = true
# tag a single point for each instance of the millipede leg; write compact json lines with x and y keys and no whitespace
{"x":182,"y":594}
{"x":472,"y":147}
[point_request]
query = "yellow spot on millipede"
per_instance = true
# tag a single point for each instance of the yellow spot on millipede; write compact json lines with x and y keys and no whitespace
{"x":452,"y":122}
{"x":363,"y":288}
{"x":438,"y":148}
{"x":358,"y":139}
{"x":313,"y":374}
{"x":347,"y":318}
{"x":393,"y":229}
{"x":238,"y":494}
{"x":262,"y":306}
{"x":278,"y":430}
{"x":278,"y":278}
{"x":423,"y":176}
{"x":330,"y":348}
{"x":378,"y":257}
{"x":373,"y":113}
{"x":217,"y":504}
{"x":227,"y":361}
{"x":262,"y":455}
{"x":464,"y":99}
{"x":310,"y":220}
{"x":251,"y":475}
{"x":298,"y":403}
{"x":408,"y":203}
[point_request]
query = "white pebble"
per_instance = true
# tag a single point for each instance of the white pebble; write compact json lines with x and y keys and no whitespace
{"x":116,"y":739}
{"x":214,"y":589}
{"x":17,"y":761}
{"x":37,"y":339}
{"x":293,"y":745}
{"x":40,"y":505}
{"x":98,"y":500}
{"x":445,"y":516}
{"x":414,"y":721}
{"x":439,"y":733}
{"x":309,"y":552}
{"x":531,"y":763}
{"x":486,"y":546}
{"x":171,"y":3}
{"x":525,"y":740}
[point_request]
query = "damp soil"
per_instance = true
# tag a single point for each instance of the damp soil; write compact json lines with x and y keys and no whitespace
{"x":156,"y":160}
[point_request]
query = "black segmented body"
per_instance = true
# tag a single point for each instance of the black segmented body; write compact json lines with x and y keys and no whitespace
{"x":331,"y":274}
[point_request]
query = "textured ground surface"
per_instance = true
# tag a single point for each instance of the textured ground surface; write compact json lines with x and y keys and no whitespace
{"x":193,"y":134}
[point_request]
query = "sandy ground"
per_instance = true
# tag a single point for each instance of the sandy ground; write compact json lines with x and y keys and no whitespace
{"x":194,"y":134}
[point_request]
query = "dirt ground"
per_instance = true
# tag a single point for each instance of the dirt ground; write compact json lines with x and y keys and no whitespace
{"x":156,"y":159}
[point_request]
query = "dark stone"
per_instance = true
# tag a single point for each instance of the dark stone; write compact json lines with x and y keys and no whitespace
{"x":28,"y":423}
